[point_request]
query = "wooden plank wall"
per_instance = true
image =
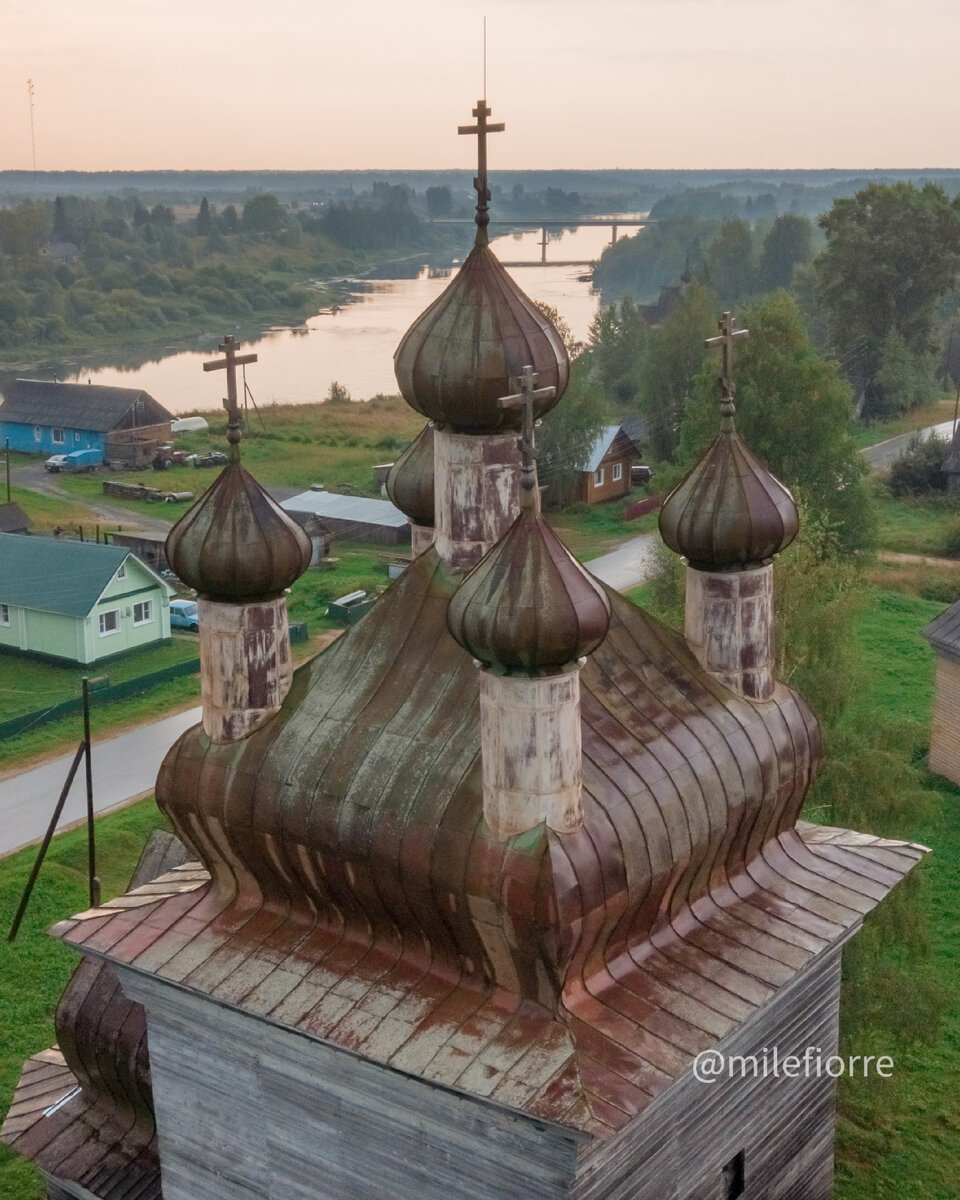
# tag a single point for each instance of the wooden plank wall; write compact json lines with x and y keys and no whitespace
{"x":248,"y":1110}
{"x":785,"y":1127}
{"x":945,"y":727}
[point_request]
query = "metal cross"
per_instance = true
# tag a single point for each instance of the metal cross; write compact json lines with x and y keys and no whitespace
{"x":728,"y":335}
{"x":481,"y":129}
{"x":229,"y":363}
{"x":526,"y":395}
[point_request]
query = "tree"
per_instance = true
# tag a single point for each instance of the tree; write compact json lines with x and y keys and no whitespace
{"x":618,"y":339}
{"x":570,"y":429}
{"x":892,"y":252}
{"x":788,"y":244}
{"x":228,"y":221}
{"x":439,"y":202}
{"x":338,"y":394}
{"x":793,"y":412}
{"x":730,"y":262}
{"x":262,"y":214}
{"x":204,"y":218}
{"x":675,"y":352}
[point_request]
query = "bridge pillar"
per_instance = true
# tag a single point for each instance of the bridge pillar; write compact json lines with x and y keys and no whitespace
{"x":543,"y":244}
{"x":614,"y":242}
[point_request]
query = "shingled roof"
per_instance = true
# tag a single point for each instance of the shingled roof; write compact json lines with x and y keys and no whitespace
{"x":12,"y":518}
{"x":943,"y":632}
{"x":95,"y":407}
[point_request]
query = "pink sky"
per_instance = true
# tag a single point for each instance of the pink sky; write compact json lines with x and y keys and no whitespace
{"x":297,"y":84}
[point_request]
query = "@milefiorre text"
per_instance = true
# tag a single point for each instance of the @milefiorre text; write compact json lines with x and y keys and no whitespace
{"x":769,"y":1063}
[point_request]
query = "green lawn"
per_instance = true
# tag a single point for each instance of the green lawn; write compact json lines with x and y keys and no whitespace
{"x":35,"y":969}
{"x":590,"y":530}
{"x":28,"y":684}
{"x":918,"y":526}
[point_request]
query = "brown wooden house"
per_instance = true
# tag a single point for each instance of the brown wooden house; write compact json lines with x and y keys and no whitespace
{"x":943,"y":634}
{"x":606,"y":475}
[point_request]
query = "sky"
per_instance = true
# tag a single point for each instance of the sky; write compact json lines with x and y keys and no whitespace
{"x":312,"y":84}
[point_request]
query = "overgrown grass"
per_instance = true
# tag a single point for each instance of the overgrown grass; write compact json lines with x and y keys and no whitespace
{"x":28,"y":684}
{"x":34,"y":970}
{"x":47,"y":512}
{"x":934,"y":413}
{"x":926,"y":526}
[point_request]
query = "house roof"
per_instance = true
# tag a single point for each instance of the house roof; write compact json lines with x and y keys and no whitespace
{"x":943,"y":632}
{"x":13,"y":519}
{"x":361,"y":509}
{"x":81,"y":405}
{"x":601,"y":446}
{"x":56,"y":575}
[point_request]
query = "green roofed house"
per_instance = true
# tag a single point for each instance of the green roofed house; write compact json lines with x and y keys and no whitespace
{"x":78,"y":601}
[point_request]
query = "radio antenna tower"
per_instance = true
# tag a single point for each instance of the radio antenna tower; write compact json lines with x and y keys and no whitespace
{"x":33,"y":137}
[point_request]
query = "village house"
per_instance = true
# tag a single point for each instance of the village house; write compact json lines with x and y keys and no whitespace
{"x":78,"y":601}
{"x":943,"y":634}
{"x":125,"y":425}
{"x":606,"y":474}
{"x":325,"y":515}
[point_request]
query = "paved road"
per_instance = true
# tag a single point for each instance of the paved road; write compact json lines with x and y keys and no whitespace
{"x":628,"y":565}
{"x":124,"y":768}
{"x":885,"y":453}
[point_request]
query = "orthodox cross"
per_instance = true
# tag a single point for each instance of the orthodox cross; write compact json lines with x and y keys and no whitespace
{"x":229,"y":363}
{"x":728,"y":335}
{"x":525,"y":397}
{"x":481,"y":129}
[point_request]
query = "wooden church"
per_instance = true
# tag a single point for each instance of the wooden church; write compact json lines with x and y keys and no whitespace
{"x":476,"y":889}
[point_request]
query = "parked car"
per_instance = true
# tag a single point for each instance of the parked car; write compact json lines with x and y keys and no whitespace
{"x":212,"y":458}
{"x":77,"y":460}
{"x":185,"y":614}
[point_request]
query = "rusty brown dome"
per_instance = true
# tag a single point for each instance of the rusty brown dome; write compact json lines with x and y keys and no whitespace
{"x":236,"y":543}
{"x":529,"y":606}
{"x":465,"y":351}
{"x":410,"y":482}
{"x":729,"y":513}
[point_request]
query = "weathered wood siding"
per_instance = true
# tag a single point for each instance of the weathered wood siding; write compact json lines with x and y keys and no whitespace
{"x":945,"y":729}
{"x":250,"y":1111}
{"x":477,"y":482}
{"x":678,"y":1148}
{"x":729,"y":626}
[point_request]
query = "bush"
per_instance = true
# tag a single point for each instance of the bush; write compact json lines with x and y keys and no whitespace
{"x":920,"y":469}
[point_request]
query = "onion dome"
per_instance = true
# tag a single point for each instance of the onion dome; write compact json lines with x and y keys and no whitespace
{"x":410,"y":482}
{"x":529,"y":607}
{"x":236,"y":543}
{"x":729,"y":513}
{"x":463,"y":353}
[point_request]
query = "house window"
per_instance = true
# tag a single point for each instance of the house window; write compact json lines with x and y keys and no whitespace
{"x":122,"y":571}
{"x":617,"y":472}
{"x":37,"y":433}
{"x":58,"y":437}
{"x":598,"y":477}
{"x":143,"y":613}
{"x":732,"y":1177}
{"x":109,"y":622}
{"x":4,"y":614}
{"x":76,"y":435}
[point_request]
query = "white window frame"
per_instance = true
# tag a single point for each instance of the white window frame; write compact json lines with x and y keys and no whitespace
{"x":617,"y":472}
{"x":76,"y":435}
{"x":146,"y":612}
{"x":37,"y":433}
{"x":122,"y":570}
{"x":57,"y":437}
{"x":110,"y":612}
{"x":598,"y":477}
{"x":4,"y":614}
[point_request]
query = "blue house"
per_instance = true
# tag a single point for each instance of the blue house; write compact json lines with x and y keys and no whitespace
{"x":124,"y":424}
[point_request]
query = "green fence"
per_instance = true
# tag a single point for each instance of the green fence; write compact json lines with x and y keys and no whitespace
{"x":98,"y":695}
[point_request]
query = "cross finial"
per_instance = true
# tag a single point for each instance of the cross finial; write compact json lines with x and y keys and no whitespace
{"x":229,"y":363}
{"x":728,"y":335}
{"x":526,"y":395}
{"x":481,"y":129}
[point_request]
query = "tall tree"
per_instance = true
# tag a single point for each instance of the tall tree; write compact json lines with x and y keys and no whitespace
{"x":788,"y":244}
{"x":892,"y":252}
{"x":204,"y":218}
{"x":618,"y":339}
{"x":731,"y":270}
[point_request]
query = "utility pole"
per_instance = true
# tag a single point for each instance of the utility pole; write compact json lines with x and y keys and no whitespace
{"x":33,"y":136}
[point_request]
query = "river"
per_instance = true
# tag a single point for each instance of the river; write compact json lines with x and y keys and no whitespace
{"x":352,"y":342}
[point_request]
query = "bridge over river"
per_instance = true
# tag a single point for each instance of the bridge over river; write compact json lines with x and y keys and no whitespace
{"x":545,"y":224}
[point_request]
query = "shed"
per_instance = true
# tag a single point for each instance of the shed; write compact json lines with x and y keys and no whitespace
{"x":13,"y":519}
{"x":943,"y":634}
{"x":45,"y":417}
{"x":606,"y":474}
{"x":148,"y":547}
{"x":78,"y":601}
{"x":357,"y":517}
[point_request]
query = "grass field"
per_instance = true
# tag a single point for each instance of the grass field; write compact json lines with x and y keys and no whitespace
{"x":924,"y":526}
{"x":35,"y":968}
{"x":934,"y":413}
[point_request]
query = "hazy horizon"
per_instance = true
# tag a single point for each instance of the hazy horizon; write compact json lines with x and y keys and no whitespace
{"x":620,"y":84}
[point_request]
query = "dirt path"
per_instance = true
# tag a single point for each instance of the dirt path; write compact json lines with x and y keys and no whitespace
{"x":36,"y":478}
{"x":925,"y":560}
